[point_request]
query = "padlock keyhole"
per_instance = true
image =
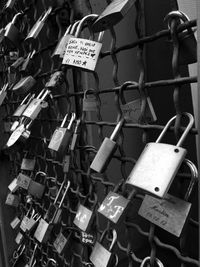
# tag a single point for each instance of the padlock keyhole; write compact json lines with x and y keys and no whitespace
{"x":157,"y":189}
{"x":176,"y":150}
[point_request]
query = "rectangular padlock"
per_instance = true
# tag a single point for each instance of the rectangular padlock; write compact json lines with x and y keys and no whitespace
{"x":15,"y":222}
{"x":19,"y":238}
{"x":25,"y":102}
{"x":62,"y":136}
{"x":23,"y":181}
{"x":12,"y":200}
{"x":112,"y":14}
{"x":13,"y":186}
{"x":61,"y":241}
{"x":56,"y":79}
{"x":159,"y":163}
{"x":106,"y":150}
{"x":28,"y":164}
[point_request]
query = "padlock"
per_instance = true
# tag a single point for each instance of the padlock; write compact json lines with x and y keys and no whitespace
{"x":170,"y":213}
{"x":187,"y":40}
{"x":76,"y":135}
{"x":106,"y":150}
{"x":83,"y":53}
{"x":132,"y":110}
{"x":15,"y":222}
{"x":114,"y":206}
{"x":12,"y":33}
{"x":3,"y":93}
{"x":28,"y":67}
{"x":146,"y":262}
{"x":12,"y":200}
{"x":28,"y":164}
{"x":62,"y":136}
{"x":35,"y":106}
{"x":25,"y":102}
{"x":29,"y":221}
{"x":25,"y":84}
{"x":112,"y":14}
{"x":51,"y":217}
{"x":56,"y":79}
{"x":35,"y":188}
{"x":32,"y":261}
{"x":158,"y":164}
{"x":19,"y":238}
{"x":62,"y":241}
{"x":9,"y":4}
{"x":37,"y":27}
{"x":90,"y":102}
{"x":13,"y":186}
{"x":100,"y":256}
{"x":25,"y":220}
{"x":84,"y":215}
{"x":88,"y":238}
{"x":23,"y":181}
{"x":66,"y":163}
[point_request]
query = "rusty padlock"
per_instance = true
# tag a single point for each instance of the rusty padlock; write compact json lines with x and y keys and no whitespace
{"x":159,"y":163}
{"x":83,"y":53}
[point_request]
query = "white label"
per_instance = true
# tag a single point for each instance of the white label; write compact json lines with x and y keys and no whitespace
{"x":82,"y":53}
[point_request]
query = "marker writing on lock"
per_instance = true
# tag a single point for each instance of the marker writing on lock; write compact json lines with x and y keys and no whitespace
{"x":81,"y":218}
{"x":161,"y":211}
{"x":116,"y":208}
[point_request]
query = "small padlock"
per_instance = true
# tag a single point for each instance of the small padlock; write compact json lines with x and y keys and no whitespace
{"x":76,"y":135}
{"x":158,"y":164}
{"x":84,"y":215}
{"x":28,"y":66}
{"x":13,"y":186}
{"x":100,"y":256}
{"x":37,"y":27}
{"x":35,"y":106}
{"x":25,"y":84}
{"x":132,"y":110}
{"x":28,"y":164}
{"x":12,"y":200}
{"x":56,"y":79}
{"x":19,"y":238}
{"x":106,"y":150}
{"x":146,"y":262}
{"x":83,"y":53}
{"x":187,"y":40}
{"x":90,"y":102}
{"x":12,"y":33}
{"x":112,"y":14}
{"x":62,"y":241}
{"x":23,"y":181}
{"x":25,"y":220}
{"x":62,"y":136}
{"x":35,"y":188}
{"x":25,"y":102}
{"x":51,"y":217}
{"x":3,"y":93}
{"x":15,"y":222}
{"x":170,"y":213}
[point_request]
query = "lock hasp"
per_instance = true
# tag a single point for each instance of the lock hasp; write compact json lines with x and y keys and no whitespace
{"x":156,"y":168}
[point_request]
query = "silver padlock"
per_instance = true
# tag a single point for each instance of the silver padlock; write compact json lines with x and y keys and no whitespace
{"x":36,"y":188}
{"x":36,"y":105}
{"x":147,"y":260}
{"x":37,"y":27}
{"x":159,"y":163}
{"x":83,"y":53}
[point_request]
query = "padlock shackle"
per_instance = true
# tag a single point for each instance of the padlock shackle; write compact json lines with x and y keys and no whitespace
{"x":16,"y":17}
{"x":59,"y":191}
{"x":123,"y":87}
{"x":25,"y":98}
{"x":114,"y":239}
{"x":174,"y":15}
{"x":67,"y":30}
{"x":81,"y":23}
{"x":74,"y":27}
{"x":65,"y":192}
{"x":78,"y":122}
{"x":45,"y":15}
{"x":117,"y":129}
{"x":145,"y":260}
{"x":73,"y":117}
{"x":40,"y":173}
{"x":64,"y":121}
{"x":183,"y":136}
{"x":194,"y":178}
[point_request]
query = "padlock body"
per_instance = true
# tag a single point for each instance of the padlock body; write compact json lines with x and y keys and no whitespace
{"x":19,"y":238}
{"x":36,"y":189}
{"x":24,"y":85}
{"x":62,"y":45}
{"x":12,"y":200}
{"x":33,"y":109}
{"x":12,"y":34}
{"x":19,"y":111}
{"x":90,"y":104}
{"x":83,"y":218}
{"x":34,"y":32}
{"x":82,"y":53}
{"x":156,"y":168}
{"x":24,"y":223}
{"x":13,"y":186}
{"x":43,"y":231}
{"x":113,"y":13}
{"x":28,"y":164}
{"x":56,"y":79}
{"x":104,"y":155}
{"x":60,"y":243}
{"x":15,"y":222}
{"x":23,"y":181}
{"x":60,"y":140}
{"x":113,"y":207}
{"x":100,"y":256}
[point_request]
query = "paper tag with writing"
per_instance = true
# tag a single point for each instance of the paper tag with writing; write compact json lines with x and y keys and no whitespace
{"x":82,"y":53}
{"x":170,"y":213}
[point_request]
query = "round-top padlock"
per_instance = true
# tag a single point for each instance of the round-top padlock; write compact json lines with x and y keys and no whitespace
{"x":90,"y":102}
{"x":146,"y":262}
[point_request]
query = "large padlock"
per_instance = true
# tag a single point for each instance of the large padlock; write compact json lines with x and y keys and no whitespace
{"x":56,"y":79}
{"x":146,"y":262}
{"x":170,"y":213}
{"x":83,"y":53}
{"x":62,"y":44}
{"x":84,"y":215}
{"x":36,"y":188}
{"x":159,"y":163}
{"x":12,"y":33}
{"x":132,"y":110}
{"x":62,"y":136}
{"x":25,"y":84}
{"x":100,"y":256}
{"x":90,"y":101}
{"x":52,"y":216}
{"x":37,"y":27}
{"x":12,"y":200}
{"x":106,"y":150}
{"x":35,"y":106}
{"x":115,"y":205}
{"x":187,"y":40}
{"x":62,"y":241}
{"x":112,"y":14}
